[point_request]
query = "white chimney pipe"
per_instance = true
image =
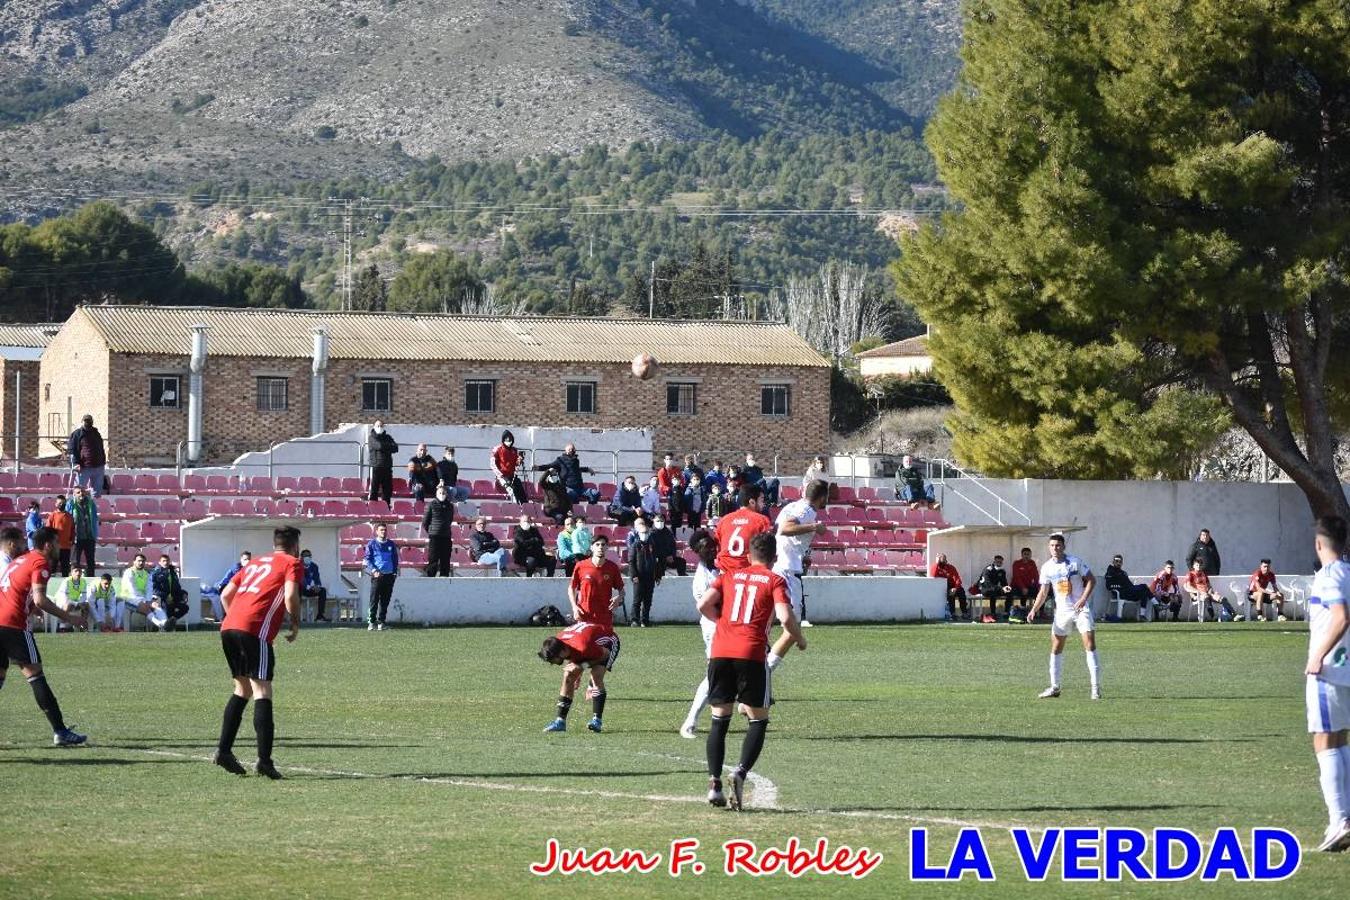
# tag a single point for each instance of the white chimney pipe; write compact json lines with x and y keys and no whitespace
{"x":196,"y":366}
{"x":316,"y":392}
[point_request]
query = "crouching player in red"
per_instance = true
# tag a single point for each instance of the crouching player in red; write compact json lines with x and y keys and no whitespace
{"x":744,"y":603}
{"x":584,"y":645}
{"x":254,"y":600}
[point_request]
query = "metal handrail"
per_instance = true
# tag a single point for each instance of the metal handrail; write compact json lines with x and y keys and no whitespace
{"x":997,"y":515}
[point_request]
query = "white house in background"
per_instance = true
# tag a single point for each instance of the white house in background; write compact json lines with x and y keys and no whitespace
{"x":907,"y":357}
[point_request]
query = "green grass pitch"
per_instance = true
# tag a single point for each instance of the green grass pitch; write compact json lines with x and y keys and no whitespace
{"x":416,"y":764}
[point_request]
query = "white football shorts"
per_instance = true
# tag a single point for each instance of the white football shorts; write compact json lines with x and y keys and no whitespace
{"x":1069,"y":619}
{"x":1328,"y":706}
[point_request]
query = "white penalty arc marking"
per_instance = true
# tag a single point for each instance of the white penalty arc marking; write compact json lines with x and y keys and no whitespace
{"x":765,"y":790}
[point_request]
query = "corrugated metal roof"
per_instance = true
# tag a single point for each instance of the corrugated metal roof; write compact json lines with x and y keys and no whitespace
{"x":915,"y":346}
{"x":39,"y":335}
{"x":289,"y":334}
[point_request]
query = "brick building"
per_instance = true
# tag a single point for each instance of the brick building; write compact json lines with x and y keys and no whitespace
{"x":272,"y":375}
{"x":20,"y":349}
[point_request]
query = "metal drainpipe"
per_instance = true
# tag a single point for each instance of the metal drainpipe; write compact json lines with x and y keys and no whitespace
{"x":196,"y":366}
{"x":316,"y":392}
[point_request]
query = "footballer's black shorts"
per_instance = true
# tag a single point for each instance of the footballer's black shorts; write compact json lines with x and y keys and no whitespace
{"x":739,"y":681}
{"x":17,"y":644}
{"x":249,"y":656}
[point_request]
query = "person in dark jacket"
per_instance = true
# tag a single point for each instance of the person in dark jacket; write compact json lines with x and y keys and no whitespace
{"x":557,"y":502}
{"x":570,"y":471}
{"x":755,"y":475}
{"x":675,"y":502}
{"x":447,"y":471}
{"x":911,"y":488}
{"x":422,"y":474}
{"x":381,"y":564}
{"x":166,"y":589}
{"x":643,"y":567}
{"x":437,"y":520}
{"x":667,"y":555}
{"x":1205,"y":550}
{"x":87,"y":456}
{"x":1118,"y":580}
{"x":627,"y":504}
{"x":84,"y":510}
{"x":993,"y":585}
{"x":529,"y":551}
{"x":484,"y":548}
{"x":380,"y":450}
{"x":694,"y":501}
{"x":313,"y":585}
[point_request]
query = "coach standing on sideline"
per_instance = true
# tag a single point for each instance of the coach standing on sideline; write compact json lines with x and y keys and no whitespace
{"x":437,"y":521}
{"x":380,"y":450}
{"x":381,"y":563}
{"x":88,"y":458}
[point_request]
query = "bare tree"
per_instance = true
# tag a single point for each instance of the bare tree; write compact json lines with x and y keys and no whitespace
{"x":833,"y":308}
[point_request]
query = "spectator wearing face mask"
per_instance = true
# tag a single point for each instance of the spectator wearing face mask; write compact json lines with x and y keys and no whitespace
{"x":627,"y":504}
{"x":663,"y":543}
{"x":715,"y":476}
{"x":694,"y":501}
{"x":422,"y":474}
{"x":557,"y":503}
{"x":652,"y":499}
{"x":755,"y":475}
{"x":582,"y":538}
{"x":718,"y":505}
{"x":643,"y":567}
{"x":570,"y":471}
{"x":528,"y":549}
{"x":380,"y":450}
{"x":313,"y":585}
{"x":484,"y":548}
{"x":447,"y":472}
{"x":668,"y":473}
{"x":692,"y":470}
{"x":506,"y":459}
{"x":675,"y":503}
{"x":814,"y":472}
{"x":438,"y":521}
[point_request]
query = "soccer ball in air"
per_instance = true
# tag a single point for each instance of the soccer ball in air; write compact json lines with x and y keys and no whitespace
{"x":644,"y":365}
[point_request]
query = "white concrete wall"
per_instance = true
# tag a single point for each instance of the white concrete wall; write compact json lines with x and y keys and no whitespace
{"x":895,"y":365}
{"x":207,"y":549}
{"x":510,"y":601}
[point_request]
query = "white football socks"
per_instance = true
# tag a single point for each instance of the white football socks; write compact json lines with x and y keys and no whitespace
{"x":1094,"y":667}
{"x":1056,"y":666}
{"x":700,"y":701}
{"x":1345,"y":777}
{"x":1331,"y":768}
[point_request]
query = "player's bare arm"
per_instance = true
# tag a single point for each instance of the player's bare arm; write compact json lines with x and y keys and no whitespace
{"x":40,"y":601}
{"x":788,"y":619}
{"x":1089,"y":582}
{"x":292,"y":600}
{"x":227,"y":596}
{"x":1340,"y":621}
{"x":1039,"y":602}
{"x":616,"y":599}
{"x":572,"y":599}
{"x":793,"y":527}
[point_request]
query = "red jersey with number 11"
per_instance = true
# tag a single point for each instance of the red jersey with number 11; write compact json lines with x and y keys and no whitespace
{"x":734,"y":532}
{"x":748,"y":600}
{"x":260,"y":594}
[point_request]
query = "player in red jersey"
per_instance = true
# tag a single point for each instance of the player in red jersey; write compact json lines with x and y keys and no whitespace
{"x":254,"y":601}
{"x":744,"y":603}
{"x":581,"y":646}
{"x":596,"y":588}
{"x":735,"y":530}
{"x":23,"y":586}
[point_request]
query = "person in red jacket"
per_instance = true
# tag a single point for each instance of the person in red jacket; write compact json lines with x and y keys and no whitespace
{"x":1263,"y":589}
{"x":956,"y":593}
{"x":1025,"y":580}
{"x":505,"y":460}
{"x":668,"y":474}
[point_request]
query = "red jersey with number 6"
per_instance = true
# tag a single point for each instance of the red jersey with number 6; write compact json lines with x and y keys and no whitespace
{"x":16,"y":588}
{"x":734,"y":532}
{"x":260,"y":594}
{"x":749,"y":597}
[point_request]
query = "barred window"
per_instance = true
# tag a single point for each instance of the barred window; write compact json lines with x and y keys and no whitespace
{"x":272,"y":394}
{"x":775,"y":400}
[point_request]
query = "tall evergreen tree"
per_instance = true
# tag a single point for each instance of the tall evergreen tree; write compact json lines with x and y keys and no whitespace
{"x":368,"y":291}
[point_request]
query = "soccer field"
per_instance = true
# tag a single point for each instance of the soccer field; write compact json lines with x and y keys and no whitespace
{"x":416,"y":765}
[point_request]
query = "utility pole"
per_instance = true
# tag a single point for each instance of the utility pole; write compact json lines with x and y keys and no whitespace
{"x":347,"y":229}
{"x":651,"y":293}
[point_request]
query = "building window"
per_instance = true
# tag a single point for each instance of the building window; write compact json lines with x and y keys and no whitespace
{"x":775,"y":400}
{"x":377,"y":395}
{"x":271,"y":394}
{"x":480,"y":396}
{"x":581,"y":396}
{"x":164,"y":391}
{"x":681,"y":398}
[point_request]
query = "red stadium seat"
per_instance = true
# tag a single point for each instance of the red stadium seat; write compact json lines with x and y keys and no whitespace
{"x":147,"y":506}
{"x":167,"y":484}
{"x":218,"y":484}
{"x":285,"y":509}
{"x":194,"y":484}
{"x":287,"y":484}
{"x":242,"y":507}
{"x":145,"y":484}
{"x":846,"y":494}
{"x":401,"y":487}
{"x":330,"y":485}
{"x":219,"y":506}
{"x":193,"y":509}
{"x":867,"y":494}
{"x":308,"y":485}
{"x":353,"y":486}
{"x":482,"y":488}
{"x":404,"y":509}
{"x":334,"y":508}
{"x":310,"y":508}
{"x":259,"y":484}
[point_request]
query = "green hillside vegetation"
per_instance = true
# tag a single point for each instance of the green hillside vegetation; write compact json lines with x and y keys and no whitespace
{"x":29,"y":99}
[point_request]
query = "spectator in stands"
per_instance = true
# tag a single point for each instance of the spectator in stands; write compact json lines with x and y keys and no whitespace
{"x":652,"y":499}
{"x":136,"y":586}
{"x":643,"y":567}
{"x":911,"y":488}
{"x":87,"y":456}
{"x":692,"y":470}
{"x":61,"y":521}
{"x":664,"y":545}
{"x":557,"y":503}
{"x":380,"y":450}
{"x":694,"y":501}
{"x":381,"y":564}
{"x":814,"y":472}
{"x":1198,"y":586}
{"x":83,"y":510}
{"x":423,"y":476}
{"x":675,"y":502}
{"x":1026,"y":581}
{"x":735,"y":481}
{"x":582,"y":538}
{"x":528,"y":549}
{"x":447,"y":471}
{"x":1263,"y":589}
{"x":667,"y":474}
{"x":1205,"y":550}
{"x":438,"y":521}
{"x":32,"y":521}
{"x":313,"y":585}
{"x":718,"y":504}
{"x":627,"y":504}
{"x":715,"y":476}
{"x":993,"y":586}
{"x":755,"y":475}
{"x":74,"y":595}
{"x":1165,"y":591}
{"x":1118,"y":582}
{"x":506,"y":459}
{"x":563,"y":551}
{"x":956,"y":593}
{"x":570,"y":470}
{"x":213,"y":594}
{"x":484,"y":548}
{"x":166,"y":589}
{"x":103,"y":602}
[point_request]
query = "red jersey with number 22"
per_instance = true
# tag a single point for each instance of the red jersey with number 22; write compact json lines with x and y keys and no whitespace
{"x":748,"y":600}
{"x":16,"y":588}
{"x":734,"y":532}
{"x":260,"y":594}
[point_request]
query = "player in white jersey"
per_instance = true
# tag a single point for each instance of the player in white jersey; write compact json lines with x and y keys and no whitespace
{"x":1328,"y":683}
{"x":796,"y":525}
{"x":702,"y":543}
{"x":1073,"y":582}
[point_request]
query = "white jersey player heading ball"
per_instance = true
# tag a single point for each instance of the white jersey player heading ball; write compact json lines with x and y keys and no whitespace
{"x":1072,"y":582}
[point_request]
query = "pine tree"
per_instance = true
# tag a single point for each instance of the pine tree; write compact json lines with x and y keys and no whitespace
{"x":368,"y":291}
